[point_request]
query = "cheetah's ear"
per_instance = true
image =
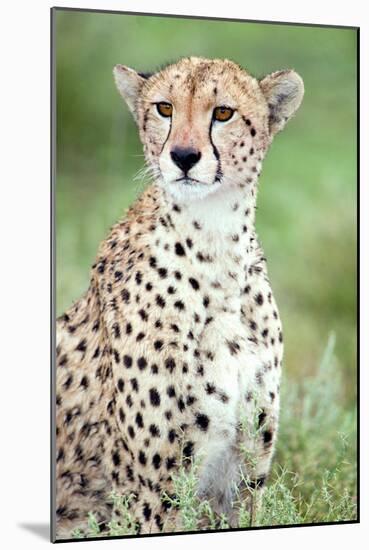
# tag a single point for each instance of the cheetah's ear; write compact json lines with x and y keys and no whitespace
{"x":283,"y":91}
{"x":129,"y":84}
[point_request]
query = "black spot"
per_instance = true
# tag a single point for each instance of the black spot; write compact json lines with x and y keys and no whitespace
{"x":261,"y":418}
{"x":234,"y":347}
{"x":101,"y":266}
{"x":146,"y":510}
{"x":190,"y":400}
{"x":172,"y":434}
{"x":253,"y":132}
{"x":160,"y":301}
{"x":142,"y":313}
{"x":180,"y":251}
{"x":267,"y":437}
{"x":210,"y":388}
{"x":188,"y":449}
{"x":122,"y":416}
{"x":84,"y":382}
{"x":154,"y":430}
{"x":63,"y":360}
{"x":140,"y":336}
{"x":162,"y":272}
{"x":156,"y":461}
{"x":171,"y":392}
{"x":179,"y":305}
{"x":202,"y":421}
{"x":154,"y":397}
{"x":142,"y":458}
{"x":200,"y":370}
{"x":194,"y":283}
{"x":148,"y":286}
{"x":206,"y":301}
{"x":170,"y":462}
{"x":129,"y":472}
{"x":118,"y":276}
{"x":131,"y":432}
{"x":116,"y":330}
{"x":139,"y":420}
{"x":82,"y":345}
{"x":120,"y":385}
{"x":170,"y":364}
{"x":158,"y":522}
{"x":116,"y":458}
{"x":259,"y":299}
{"x":68,"y":382}
{"x":127,"y":360}
{"x":141,"y":363}
{"x":134,"y":384}
{"x":158,"y":344}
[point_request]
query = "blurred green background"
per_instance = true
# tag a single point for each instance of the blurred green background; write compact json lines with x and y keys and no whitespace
{"x":307,"y":202}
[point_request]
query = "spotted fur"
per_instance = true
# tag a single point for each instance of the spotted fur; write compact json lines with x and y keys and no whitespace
{"x":178,"y":339}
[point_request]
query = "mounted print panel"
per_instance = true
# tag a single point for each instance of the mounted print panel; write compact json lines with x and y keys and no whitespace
{"x":204,"y":171}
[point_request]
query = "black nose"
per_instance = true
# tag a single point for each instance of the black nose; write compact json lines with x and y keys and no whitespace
{"x":185,"y":158}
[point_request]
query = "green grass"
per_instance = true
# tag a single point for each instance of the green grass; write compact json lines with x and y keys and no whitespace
{"x":313,"y":479}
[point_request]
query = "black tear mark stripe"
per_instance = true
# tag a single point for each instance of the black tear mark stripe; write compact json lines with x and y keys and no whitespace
{"x":219,"y":172}
{"x":166,"y":139}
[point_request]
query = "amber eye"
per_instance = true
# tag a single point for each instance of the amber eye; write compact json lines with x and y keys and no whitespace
{"x":223,"y":113}
{"x":164,"y":109}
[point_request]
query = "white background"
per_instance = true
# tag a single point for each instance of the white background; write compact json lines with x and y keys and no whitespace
{"x":24,"y":270}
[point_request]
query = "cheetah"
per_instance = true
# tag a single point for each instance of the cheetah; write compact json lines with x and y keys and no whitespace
{"x":178,"y":340}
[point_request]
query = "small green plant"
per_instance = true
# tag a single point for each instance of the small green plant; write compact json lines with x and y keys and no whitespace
{"x":195,"y":514}
{"x":125,"y":526}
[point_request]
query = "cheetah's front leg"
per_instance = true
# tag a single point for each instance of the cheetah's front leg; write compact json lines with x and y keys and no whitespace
{"x":238,"y":446}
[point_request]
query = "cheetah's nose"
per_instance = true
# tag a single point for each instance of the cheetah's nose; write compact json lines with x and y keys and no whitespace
{"x":185,"y":158}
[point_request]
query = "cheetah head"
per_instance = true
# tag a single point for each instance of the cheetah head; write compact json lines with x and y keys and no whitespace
{"x":206,"y":124}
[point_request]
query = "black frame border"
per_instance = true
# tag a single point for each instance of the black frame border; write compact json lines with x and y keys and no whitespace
{"x":53,"y":122}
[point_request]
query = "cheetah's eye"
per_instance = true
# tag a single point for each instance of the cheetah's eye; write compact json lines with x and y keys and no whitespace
{"x":164,"y":109}
{"x":223,"y":113}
